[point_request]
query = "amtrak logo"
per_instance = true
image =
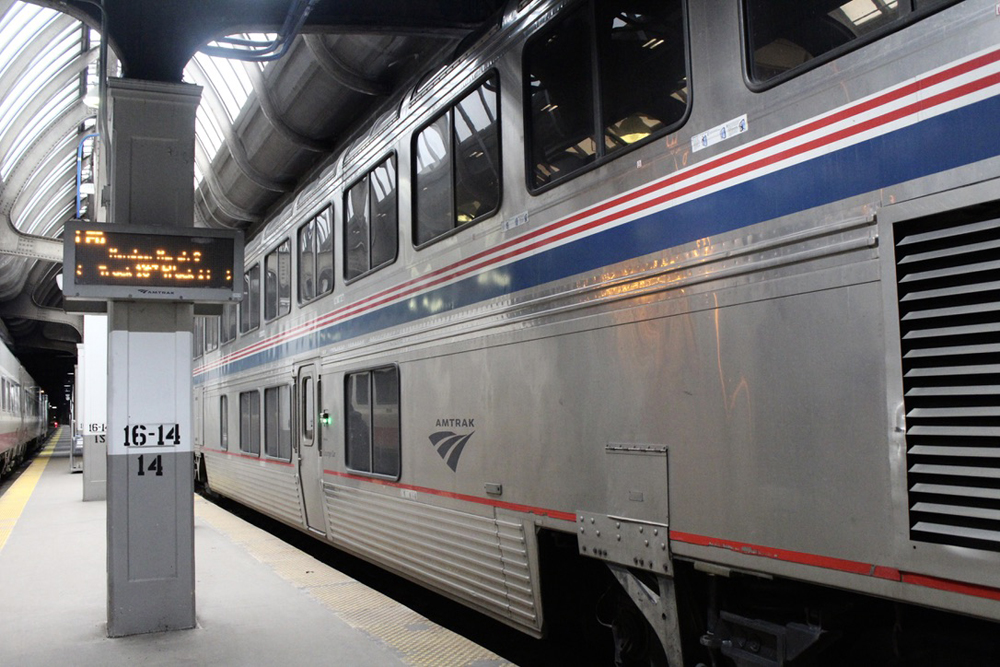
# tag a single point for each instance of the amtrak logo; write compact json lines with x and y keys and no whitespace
{"x":449,"y":444}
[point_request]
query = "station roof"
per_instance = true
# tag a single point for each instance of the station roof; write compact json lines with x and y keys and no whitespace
{"x":261,"y":127}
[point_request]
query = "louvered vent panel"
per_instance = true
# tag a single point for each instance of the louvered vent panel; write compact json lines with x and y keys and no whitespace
{"x":948,"y":273}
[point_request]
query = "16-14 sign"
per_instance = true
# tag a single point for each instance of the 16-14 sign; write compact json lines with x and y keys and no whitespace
{"x":152,"y":435}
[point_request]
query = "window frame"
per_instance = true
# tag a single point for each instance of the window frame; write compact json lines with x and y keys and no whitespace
{"x":601,"y":158}
{"x":246,"y":298}
{"x":231,"y":315}
{"x":212,"y":333}
{"x":369,"y":373}
{"x":329,"y":213}
{"x":366,"y":174}
{"x":266,"y":422}
{"x":198,"y":336}
{"x":247,"y":452}
{"x":912,"y":16}
{"x":224,"y":422}
{"x":448,"y":109}
{"x":277,"y":294}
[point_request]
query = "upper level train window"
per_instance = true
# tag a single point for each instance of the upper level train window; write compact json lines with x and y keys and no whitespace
{"x":457,"y":165}
{"x":371,"y":221}
{"x":278,"y":281}
{"x":316,"y":257}
{"x":786,"y":36}
{"x":250,"y":305}
{"x":606,"y":76}
{"x":198,"y":337}
{"x":227,"y":323}
{"x":211,"y":334}
{"x":372,"y":423}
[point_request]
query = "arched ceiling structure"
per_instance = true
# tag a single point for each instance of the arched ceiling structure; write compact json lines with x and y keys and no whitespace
{"x":261,"y":126}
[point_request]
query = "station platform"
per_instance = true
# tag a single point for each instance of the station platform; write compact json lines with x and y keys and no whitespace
{"x":259,"y":601}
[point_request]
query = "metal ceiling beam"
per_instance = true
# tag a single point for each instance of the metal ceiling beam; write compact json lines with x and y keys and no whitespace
{"x":274,"y":118}
{"x":28,"y":114}
{"x":340,"y":72}
{"x":22,"y":307}
{"x":221,"y":200}
{"x":233,"y":143}
{"x":39,"y":150}
{"x":156,"y":39}
{"x":13,"y":242}
{"x":39,"y":43}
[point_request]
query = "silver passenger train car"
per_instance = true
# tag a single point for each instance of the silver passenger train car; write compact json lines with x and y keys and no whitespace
{"x":24,"y":412}
{"x":687,"y":309}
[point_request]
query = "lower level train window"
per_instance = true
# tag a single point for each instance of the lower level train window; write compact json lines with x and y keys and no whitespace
{"x":250,"y":422}
{"x":224,"y":422}
{"x":605,"y":76}
{"x":372,"y":423}
{"x":787,"y":35}
{"x":278,"y":422}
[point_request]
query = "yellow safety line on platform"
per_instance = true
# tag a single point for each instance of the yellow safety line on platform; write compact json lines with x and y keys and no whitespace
{"x":13,"y":501}
{"x":413,"y":638}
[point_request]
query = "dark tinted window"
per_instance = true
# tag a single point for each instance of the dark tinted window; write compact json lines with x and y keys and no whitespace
{"x":278,"y":422}
{"x":561,"y":94}
{"x":224,"y":422}
{"x":278,"y":281}
{"x":372,"y":426}
{"x":385,"y":422}
{"x":457,"y":165}
{"x":384,"y":223}
{"x":371,"y":221}
{"x":308,"y":409}
{"x":786,"y":35}
{"x":250,"y":305}
{"x":435,"y":199}
{"x":227,"y":323}
{"x":198,"y":337}
{"x":250,"y":422}
{"x":211,"y":333}
{"x":358,"y":422}
{"x":315,"y":258}
{"x":641,"y":83}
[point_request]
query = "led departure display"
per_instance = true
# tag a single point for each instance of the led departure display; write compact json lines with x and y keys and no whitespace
{"x":119,"y":261}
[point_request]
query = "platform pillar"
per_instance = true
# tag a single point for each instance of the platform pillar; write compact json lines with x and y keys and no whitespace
{"x":149,"y":435}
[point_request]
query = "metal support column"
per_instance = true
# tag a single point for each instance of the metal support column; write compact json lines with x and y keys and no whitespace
{"x":150,"y":481}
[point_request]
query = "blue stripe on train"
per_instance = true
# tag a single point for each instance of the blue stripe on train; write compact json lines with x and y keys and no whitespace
{"x":957,"y":138}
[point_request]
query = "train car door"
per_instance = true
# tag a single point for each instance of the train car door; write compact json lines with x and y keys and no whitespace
{"x":310,"y":448}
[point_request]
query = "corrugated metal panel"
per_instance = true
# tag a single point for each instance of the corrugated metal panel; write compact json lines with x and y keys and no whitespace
{"x":949,"y":308}
{"x":480,"y":560}
{"x":275,"y":491}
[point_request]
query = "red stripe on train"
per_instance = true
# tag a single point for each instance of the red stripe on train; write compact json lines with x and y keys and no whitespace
{"x":541,"y":511}
{"x":840,"y":565}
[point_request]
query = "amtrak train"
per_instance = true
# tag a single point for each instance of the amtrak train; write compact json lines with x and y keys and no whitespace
{"x":678,"y":315}
{"x":24,"y":412}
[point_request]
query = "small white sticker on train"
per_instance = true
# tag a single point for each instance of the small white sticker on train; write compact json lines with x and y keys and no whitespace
{"x":719,"y":133}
